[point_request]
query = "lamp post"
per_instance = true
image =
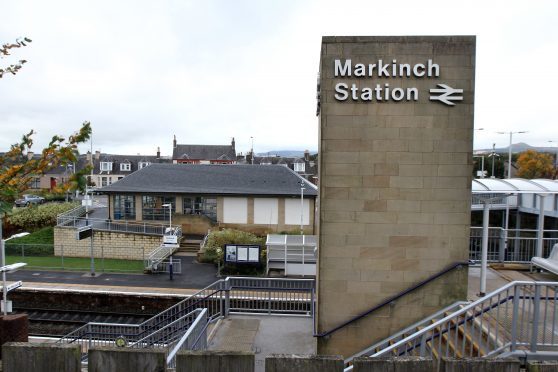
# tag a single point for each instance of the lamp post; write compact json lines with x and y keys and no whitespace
{"x":169,"y":206}
{"x":301,"y":207}
{"x":507,"y":221}
{"x":7,"y":268}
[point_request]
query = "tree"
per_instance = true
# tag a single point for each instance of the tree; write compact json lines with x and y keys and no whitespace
{"x":532,"y":164}
{"x":17,"y":169}
{"x":5,"y":51}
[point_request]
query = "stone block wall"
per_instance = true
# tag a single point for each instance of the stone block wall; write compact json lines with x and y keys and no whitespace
{"x":395,"y":186}
{"x":105,"y":244}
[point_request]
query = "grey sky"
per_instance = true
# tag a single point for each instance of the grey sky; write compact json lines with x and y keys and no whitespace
{"x":207,"y":71}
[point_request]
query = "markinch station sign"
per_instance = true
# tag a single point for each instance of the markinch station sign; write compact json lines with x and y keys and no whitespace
{"x":382,"y":92}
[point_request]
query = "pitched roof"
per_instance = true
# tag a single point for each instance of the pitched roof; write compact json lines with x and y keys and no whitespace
{"x":204,"y":152}
{"x":213,"y":179}
{"x":133,"y":160}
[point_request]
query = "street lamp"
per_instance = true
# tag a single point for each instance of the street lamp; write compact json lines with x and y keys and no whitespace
{"x":301,"y":207}
{"x":169,"y":206}
{"x":510,"y":148}
{"x":511,"y":133}
{"x":7,"y":268}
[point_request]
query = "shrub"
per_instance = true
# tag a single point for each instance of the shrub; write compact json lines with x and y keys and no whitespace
{"x":34,"y":217}
{"x":217,"y":239}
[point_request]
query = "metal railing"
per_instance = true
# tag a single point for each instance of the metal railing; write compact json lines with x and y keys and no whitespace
{"x":225,"y":296}
{"x":521,"y":247}
{"x":195,"y":338}
{"x":391,"y":299}
{"x":158,"y":255}
{"x":114,"y":226}
{"x":520,"y":316}
{"x":65,"y":217}
{"x":404,"y":333}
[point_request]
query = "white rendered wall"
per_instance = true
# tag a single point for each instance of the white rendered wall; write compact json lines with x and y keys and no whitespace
{"x":235,"y":210}
{"x":292,"y":212}
{"x":266,"y":211}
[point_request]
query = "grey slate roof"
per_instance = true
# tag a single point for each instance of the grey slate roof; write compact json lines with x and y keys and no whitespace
{"x":116,"y":160}
{"x":213,"y":179}
{"x":204,"y":152}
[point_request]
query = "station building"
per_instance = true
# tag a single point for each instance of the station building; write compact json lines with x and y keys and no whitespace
{"x":255,"y":198}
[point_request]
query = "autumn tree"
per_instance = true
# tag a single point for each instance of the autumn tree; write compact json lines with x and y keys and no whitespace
{"x":533,"y":164}
{"x":17,"y":169}
{"x":5,"y":51}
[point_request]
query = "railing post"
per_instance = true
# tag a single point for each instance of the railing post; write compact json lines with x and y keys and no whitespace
{"x":504,"y":240}
{"x":536,"y":318}
{"x":227,"y":298}
{"x":515,"y":316}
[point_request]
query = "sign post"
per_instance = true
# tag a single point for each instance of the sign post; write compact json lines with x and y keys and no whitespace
{"x":84,"y":233}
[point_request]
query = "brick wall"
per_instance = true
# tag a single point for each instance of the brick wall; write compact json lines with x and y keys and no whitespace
{"x":105,"y":244}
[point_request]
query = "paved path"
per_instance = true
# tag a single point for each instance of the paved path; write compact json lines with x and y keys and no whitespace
{"x":194,"y":276}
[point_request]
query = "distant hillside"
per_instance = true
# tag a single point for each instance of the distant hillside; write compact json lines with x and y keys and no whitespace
{"x":286,"y":153}
{"x":519,"y":147}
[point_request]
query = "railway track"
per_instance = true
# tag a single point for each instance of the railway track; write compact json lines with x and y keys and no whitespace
{"x":57,"y":323}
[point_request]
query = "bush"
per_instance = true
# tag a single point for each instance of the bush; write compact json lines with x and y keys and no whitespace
{"x":34,"y":217}
{"x":217,"y":239}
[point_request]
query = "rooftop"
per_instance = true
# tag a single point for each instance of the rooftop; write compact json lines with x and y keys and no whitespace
{"x":213,"y":180}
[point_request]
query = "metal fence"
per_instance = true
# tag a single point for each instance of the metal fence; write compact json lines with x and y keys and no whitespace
{"x":43,"y":256}
{"x":114,"y":226}
{"x":521,"y":244}
{"x":225,"y":296}
{"x":519,"y":317}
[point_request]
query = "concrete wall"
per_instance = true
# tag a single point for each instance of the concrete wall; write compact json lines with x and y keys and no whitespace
{"x":395,"y":182}
{"x":105,"y":244}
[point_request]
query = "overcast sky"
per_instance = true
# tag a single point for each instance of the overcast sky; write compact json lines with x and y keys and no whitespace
{"x":207,"y":71}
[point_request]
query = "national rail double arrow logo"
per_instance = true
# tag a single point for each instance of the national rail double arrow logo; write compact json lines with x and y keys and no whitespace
{"x":446,"y":94}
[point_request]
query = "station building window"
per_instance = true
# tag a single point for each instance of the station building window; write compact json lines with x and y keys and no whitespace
{"x":152,"y":207}
{"x":124,"y":207}
{"x":200,"y":205}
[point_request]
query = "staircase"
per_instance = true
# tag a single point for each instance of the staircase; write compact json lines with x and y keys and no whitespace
{"x":516,"y":319}
{"x":190,"y":244}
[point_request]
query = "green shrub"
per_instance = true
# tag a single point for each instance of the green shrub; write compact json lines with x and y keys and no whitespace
{"x":34,"y":217}
{"x":217,"y":239}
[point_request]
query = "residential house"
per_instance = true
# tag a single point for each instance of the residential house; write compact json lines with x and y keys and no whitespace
{"x":259,"y":199}
{"x":304,"y":166}
{"x":203,"y":154}
{"x":110,"y":168}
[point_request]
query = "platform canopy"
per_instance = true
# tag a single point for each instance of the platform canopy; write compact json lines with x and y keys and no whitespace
{"x":514,"y":186}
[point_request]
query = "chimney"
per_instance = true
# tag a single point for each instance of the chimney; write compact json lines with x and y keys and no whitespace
{"x":306,"y":155}
{"x":88,"y":156}
{"x":233,"y":145}
{"x":158,"y":152}
{"x":97,"y":155}
{"x":30,"y":155}
{"x":174,"y":142}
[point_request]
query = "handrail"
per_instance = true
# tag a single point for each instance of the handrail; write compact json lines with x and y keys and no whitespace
{"x":393,"y":298}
